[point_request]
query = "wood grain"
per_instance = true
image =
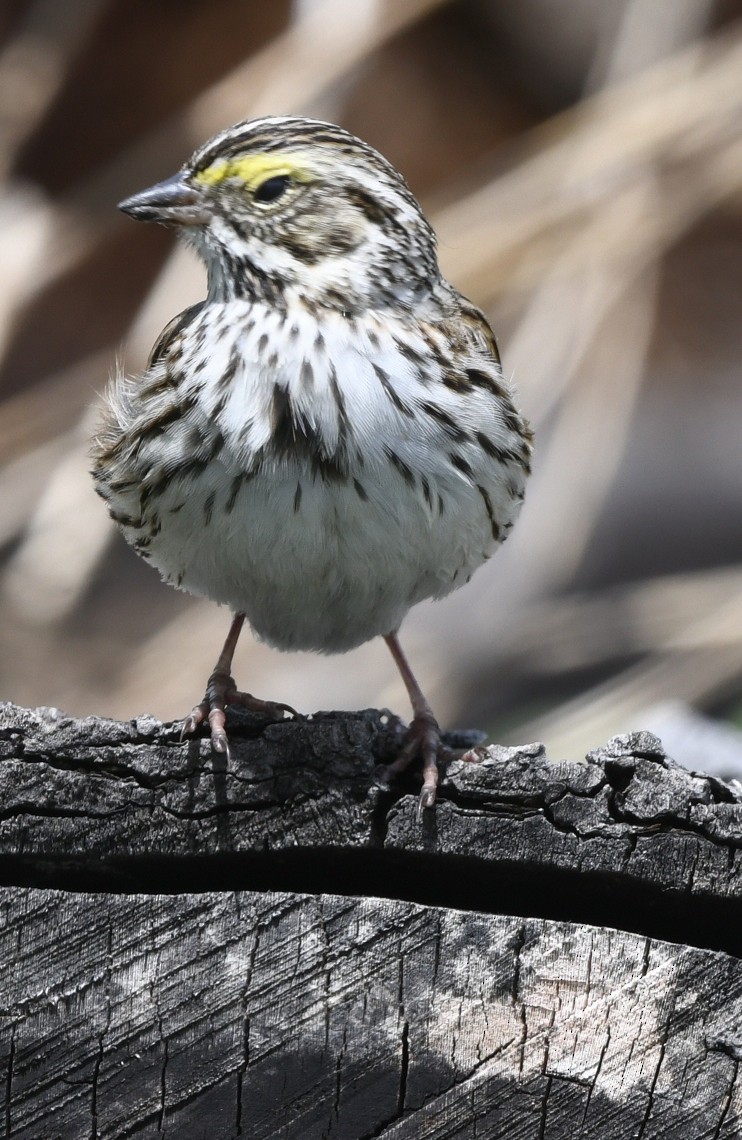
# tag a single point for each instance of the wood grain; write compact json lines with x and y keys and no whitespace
{"x":276,"y":948}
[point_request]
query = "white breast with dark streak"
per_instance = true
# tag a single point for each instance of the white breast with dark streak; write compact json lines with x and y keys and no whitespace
{"x":369,"y":501}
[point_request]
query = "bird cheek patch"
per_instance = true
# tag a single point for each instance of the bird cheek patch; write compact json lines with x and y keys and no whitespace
{"x":252,"y":170}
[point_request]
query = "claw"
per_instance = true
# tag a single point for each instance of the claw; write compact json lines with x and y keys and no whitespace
{"x":426,"y":799}
{"x":195,"y":718}
{"x":273,"y":709}
{"x":220,"y":743}
{"x":430,"y":772}
{"x":217,"y":723}
{"x":423,"y":739}
{"x":221,"y":691}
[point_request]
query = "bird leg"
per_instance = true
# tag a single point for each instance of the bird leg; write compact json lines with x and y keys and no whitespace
{"x":221,"y":691}
{"x":423,"y":737}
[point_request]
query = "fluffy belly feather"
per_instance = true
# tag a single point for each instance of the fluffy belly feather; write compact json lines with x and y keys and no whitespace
{"x":318,"y":566}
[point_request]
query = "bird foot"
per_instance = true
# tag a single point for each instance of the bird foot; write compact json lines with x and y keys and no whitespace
{"x":222,"y":691}
{"x":422,"y":741}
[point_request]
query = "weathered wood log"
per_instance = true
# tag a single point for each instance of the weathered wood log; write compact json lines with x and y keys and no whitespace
{"x":276,"y":947}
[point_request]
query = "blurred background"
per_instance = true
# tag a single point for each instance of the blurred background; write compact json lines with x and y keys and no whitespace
{"x":582,"y":164}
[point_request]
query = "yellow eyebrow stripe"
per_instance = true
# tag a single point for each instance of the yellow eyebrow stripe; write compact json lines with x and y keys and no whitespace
{"x":253,"y":169}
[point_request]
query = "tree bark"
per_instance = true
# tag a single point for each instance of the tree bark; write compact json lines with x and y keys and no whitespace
{"x":276,"y":947}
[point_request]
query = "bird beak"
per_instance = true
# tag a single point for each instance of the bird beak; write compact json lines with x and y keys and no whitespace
{"x":174,"y":202}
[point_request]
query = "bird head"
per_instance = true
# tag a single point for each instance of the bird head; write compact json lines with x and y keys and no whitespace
{"x":291,"y":206}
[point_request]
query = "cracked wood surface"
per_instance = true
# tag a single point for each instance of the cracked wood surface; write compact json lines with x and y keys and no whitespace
{"x":284,"y":1015}
{"x":276,"y":948}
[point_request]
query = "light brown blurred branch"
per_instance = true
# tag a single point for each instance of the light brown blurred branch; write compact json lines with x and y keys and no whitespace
{"x":699,"y":664}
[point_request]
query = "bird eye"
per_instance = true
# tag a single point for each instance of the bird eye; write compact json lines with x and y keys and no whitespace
{"x":272,"y":188}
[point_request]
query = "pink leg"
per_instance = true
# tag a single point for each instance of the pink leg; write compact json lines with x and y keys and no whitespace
{"x":221,"y":691}
{"x":423,"y":735}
